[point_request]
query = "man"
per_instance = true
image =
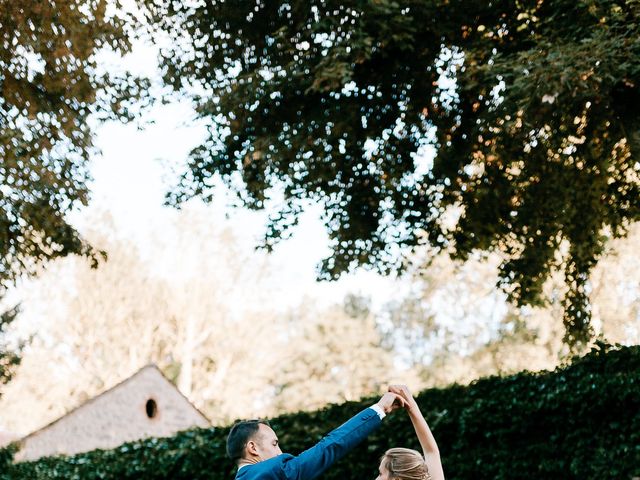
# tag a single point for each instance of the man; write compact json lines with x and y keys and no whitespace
{"x":254,"y":446}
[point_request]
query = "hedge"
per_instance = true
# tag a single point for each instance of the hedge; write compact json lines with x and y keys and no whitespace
{"x":581,"y":421}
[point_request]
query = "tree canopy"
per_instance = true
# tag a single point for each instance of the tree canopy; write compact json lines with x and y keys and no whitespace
{"x":9,"y":356}
{"x":201,"y":316}
{"x":530,"y":107}
{"x":51,"y":87}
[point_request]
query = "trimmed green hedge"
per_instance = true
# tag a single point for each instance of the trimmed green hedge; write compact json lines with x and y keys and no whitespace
{"x":579,"y":422}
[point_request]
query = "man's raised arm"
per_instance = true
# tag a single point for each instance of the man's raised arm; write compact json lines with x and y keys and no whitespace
{"x":314,"y":461}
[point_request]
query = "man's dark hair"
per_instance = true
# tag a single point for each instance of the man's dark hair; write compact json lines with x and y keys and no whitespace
{"x":239,"y":435}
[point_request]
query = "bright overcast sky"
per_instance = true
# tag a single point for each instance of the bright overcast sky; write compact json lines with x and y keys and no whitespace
{"x":137,"y":166}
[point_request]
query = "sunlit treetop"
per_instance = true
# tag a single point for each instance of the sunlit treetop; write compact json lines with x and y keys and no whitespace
{"x":530,"y":107}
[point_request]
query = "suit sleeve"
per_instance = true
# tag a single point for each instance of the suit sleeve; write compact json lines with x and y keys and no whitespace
{"x":314,"y":461}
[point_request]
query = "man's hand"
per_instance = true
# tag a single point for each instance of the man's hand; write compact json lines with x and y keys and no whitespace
{"x":390,"y":402}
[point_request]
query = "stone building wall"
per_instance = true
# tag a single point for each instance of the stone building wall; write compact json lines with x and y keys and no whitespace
{"x":144,"y":405}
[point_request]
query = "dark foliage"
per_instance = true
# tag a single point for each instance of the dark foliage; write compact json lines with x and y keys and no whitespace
{"x":51,"y":90}
{"x":536,"y":134}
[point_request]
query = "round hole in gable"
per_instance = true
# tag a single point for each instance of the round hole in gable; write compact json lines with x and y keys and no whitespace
{"x":151,"y":408}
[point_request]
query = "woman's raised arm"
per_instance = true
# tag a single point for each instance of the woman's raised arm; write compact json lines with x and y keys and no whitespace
{"x":426,"y":438}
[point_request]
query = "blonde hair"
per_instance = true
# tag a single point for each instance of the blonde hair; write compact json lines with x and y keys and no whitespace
{"x":405,"y":464}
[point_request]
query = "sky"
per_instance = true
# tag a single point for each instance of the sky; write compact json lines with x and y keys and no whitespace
{"x":138,"y":163}
{"x":131,"y":174}
{"x":137,"y":167}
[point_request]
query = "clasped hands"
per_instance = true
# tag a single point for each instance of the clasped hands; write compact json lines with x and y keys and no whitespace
{"x":397,"y":397}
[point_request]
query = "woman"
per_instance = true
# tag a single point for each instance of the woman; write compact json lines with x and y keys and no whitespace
{"x":407,"y":464}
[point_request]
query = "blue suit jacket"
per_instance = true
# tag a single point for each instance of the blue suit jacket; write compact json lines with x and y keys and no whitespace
{"x":312,"y":462}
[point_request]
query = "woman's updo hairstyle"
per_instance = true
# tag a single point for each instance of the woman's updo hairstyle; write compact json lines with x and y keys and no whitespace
{"x":405,"y":464}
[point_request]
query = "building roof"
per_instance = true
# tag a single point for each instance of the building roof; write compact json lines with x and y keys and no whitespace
{"x":117,"y":386}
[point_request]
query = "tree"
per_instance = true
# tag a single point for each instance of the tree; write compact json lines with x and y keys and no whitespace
{"x":334,"y":355}
{"x":9,"y":357}
{"x":615,"y":291}
{"x":197,"y":301}
{"x":454,"y":327}
{"x":177,"y":311}
{"x":530,"y":106}
{"x":51,"y":90}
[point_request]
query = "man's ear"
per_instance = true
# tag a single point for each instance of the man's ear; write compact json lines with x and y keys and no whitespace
{"x":252,"y":448}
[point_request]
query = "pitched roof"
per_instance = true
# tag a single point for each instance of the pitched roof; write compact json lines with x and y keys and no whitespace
{"x":117,"y":386}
